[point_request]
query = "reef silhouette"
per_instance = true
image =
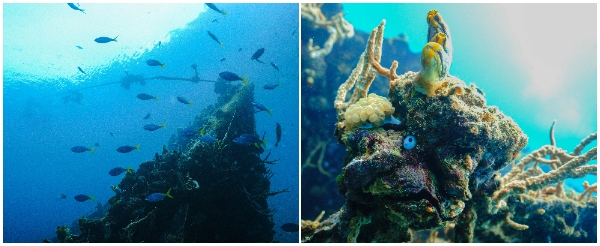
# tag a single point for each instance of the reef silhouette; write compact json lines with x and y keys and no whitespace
{"x":219,"y":190}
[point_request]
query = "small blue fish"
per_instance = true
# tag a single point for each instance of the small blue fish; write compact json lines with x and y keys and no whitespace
{"x":214,"y":38}
{"x":152,"y":127}
{"x":83,"y":198}
{"x":81,"y":149}
{"x":229,"y":76}
{"x":257,"y":55}
{"x":79,"y":47}
{"x":127,"y":148}
{"x":213,"y":7}
{"x":147,"y":116}
{"x":261,"y":107}
{"x":159,"y":42}
{"x":277,"y":133}
{"x":103,"y":40}
{"x":153,"y":63}
{"x":118,"y":170}
{"x":207,"y":138}
{"x":275,"y":66}
{"x":184,"y":101}
{"x":271,"y":87}
{"x":72,"y":5}
{"x":249,"y":139}
{"x":144,"y":96}
{"x":157,"y":197}
{"x":81,"y":70}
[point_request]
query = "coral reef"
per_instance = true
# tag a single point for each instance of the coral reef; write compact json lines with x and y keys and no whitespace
{"x":337,"y":27}
{"x":321,"y":154}
{"x":219,"y":190}
{"x":461,"y":142}
{"x":530,"y":205}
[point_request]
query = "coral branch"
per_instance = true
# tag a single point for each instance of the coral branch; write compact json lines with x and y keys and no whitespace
{"x":515,"y":224}
{"x":338,"y":28}
{"x":584,"y":143}
{"x":564,"y":166}
{"x":362,"y":76}
{"x":589,"y":189}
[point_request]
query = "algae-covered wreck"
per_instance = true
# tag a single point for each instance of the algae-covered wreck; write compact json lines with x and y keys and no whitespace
{"x":219,"y":189}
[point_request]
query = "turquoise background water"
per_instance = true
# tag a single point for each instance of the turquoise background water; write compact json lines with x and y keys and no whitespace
{"x":536,"y":62}
{"x":40,"y":65}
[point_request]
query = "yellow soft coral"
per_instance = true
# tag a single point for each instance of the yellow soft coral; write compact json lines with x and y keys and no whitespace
{"x":372,"y":109}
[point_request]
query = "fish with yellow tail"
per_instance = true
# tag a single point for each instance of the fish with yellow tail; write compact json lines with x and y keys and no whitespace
{"x":214,"y":38}
{"x":229,"y":76}
{"x":157,"y":197}
{"x":127,"y":148}
{"x":214,"y":7}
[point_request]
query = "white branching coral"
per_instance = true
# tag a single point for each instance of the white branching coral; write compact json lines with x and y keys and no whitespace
{"x":338,"y":28}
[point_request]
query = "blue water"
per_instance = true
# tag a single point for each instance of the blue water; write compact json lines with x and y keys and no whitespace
{"x":500,"y":48}
{"x":40,"y":65}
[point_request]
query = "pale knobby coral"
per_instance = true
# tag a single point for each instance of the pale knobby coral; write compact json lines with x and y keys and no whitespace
{"x":372,"y":109}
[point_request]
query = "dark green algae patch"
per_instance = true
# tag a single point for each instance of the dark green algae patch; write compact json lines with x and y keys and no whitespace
{"x":219,"y":190}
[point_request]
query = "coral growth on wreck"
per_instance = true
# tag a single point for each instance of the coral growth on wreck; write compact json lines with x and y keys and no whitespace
{"x":435,"y":175}
{"x":219,"y":190}
{"x":461,"y":143}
